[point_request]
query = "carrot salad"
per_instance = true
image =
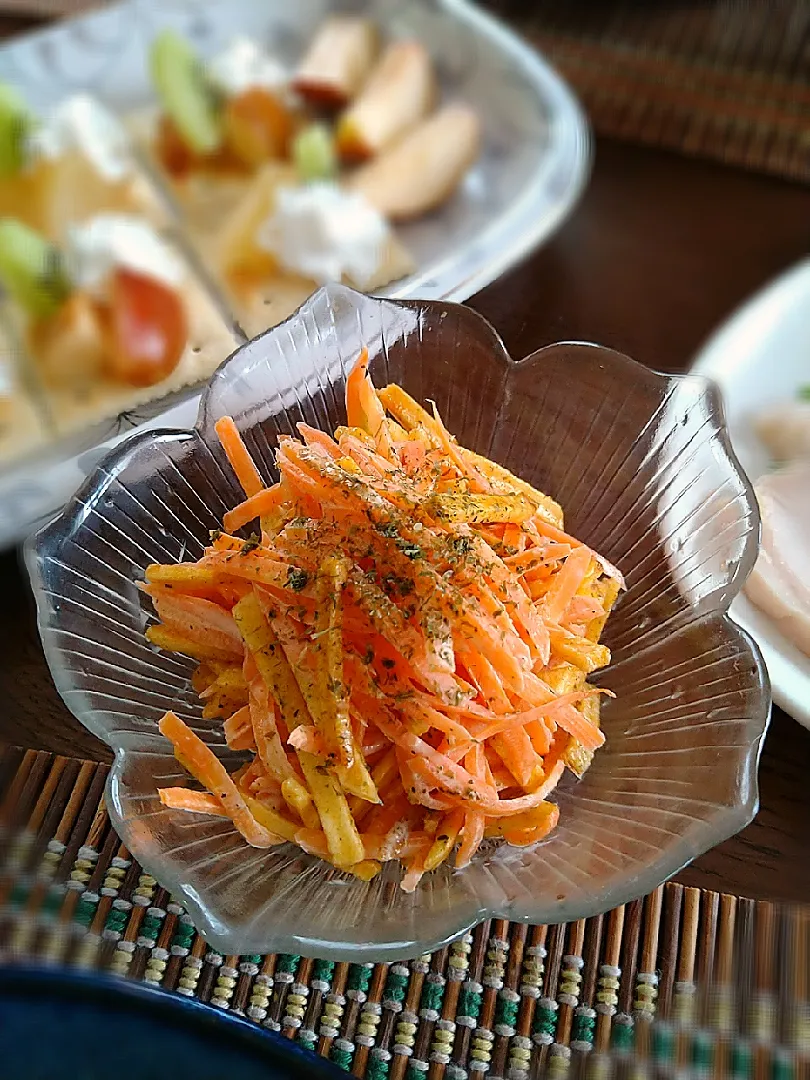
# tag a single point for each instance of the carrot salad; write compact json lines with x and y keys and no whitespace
{"x":401,"y":646}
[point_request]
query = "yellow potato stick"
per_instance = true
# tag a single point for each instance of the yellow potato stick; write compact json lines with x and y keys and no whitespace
{"x":366,"y":870}
{"x":332,"y":714}
{"x":403,"y":654}
{"x":385,"y":771}
{"x":300,"y":801}
{"x":172,"y":641}
{"x":340,"y":830}
{"x":356,"y":780}
{"x":229,"y":681}
{"x":271,"y":819}
{"x":564,"y":679}
{"x":446,"y":837}
{"x":606,"y":590}
{"x":408,"y":413}
{"x":181,"y":575}
{"x":546,"y":506}
{"x":455,"y":508}
{"x":271,"y":661}
{"x":577,"y":758}
{"x":586,"y":655}
{"x":350,"y":465}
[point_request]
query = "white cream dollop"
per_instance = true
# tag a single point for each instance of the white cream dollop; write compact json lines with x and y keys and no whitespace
{"x":109,"y":241}
{"x":244,"y":65}
{"x":82,"y":123}
{"x":324,"y":233}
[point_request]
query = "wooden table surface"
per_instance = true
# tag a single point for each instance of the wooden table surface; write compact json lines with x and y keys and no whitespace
{"x":661,"y":249}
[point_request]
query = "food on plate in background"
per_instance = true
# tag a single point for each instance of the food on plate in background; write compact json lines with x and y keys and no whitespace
{"x":287,"y":238}
{"x":778,"y":584}
{"x":261,"y":179}
{"x":419,"y":173}
{"x":23,"y":425}
{"x":785,"y":428}
{"x":219,"y":121}
{"x":403,"y":646}
{"x":76,"y":161}
{"x":400,"y":91}
{"x":338,"y":61}
{"x":780,"y":581}
{"x":280,"y":181}
{"x":109,"y":319}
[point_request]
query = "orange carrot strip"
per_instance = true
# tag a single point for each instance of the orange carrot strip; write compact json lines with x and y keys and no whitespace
{"x":263,"y":502}
{"x":214,"y":776}
{"x":472,"y":832}
{"x":238,"y":455}
{"x":195,"y":802}
{"x":306,"y":737}
{"x":565,"y":584}
{"x":239,"y":730}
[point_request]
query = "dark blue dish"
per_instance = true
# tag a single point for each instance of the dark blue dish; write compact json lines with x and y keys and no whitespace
{"x":64,"y":1025}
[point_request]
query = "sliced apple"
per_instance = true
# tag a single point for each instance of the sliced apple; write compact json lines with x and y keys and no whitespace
{"x":338,"y":61}
{"x":399,"y":92}
{"x":424,"y":168}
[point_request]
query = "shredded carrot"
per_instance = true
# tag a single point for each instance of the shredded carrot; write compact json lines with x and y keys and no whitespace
{"x":404,"y":649}
{"x":238,"y":455}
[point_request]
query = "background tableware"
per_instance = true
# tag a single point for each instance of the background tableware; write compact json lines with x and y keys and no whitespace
{"x":759,"y":358}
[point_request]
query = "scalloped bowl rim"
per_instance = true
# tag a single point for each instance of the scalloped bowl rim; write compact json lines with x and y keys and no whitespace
{"x":725,"y":821}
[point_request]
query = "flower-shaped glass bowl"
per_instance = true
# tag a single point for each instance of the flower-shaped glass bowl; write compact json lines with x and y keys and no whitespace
{"x":643,"y":468}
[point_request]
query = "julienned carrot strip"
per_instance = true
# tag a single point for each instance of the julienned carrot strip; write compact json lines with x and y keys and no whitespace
{"x":412,"y":633}
{"x":238,"y":455}
{"x":565,"y":584}
{"x":195,"y":802}
{"x":213,"y":774}
{"x":263,"y":502}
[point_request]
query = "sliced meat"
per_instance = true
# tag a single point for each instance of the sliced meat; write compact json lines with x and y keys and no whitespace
{"x":780,"y":582}
{"x":785,"y":430}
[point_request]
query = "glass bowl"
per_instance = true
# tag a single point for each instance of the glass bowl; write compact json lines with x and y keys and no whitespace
{"x":643,"y":468}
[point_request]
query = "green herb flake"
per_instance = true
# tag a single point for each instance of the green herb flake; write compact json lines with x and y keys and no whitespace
{"x":297,"y":579}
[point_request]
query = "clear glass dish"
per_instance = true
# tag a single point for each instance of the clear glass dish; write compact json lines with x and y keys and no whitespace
{"x":643,"y":467}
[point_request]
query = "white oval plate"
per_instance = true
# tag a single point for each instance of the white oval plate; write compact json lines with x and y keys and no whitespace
{"x":534,"y":164}
{"x":759,"y":357}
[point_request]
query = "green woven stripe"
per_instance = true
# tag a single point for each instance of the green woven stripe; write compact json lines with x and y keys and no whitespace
{"x":377,"y":1069}
{"x":506,"y":1012}
{"x":623,"y":1036}
{"x":663,"y":1047}
{"x":359,"y":978}
{"x":288,"y":962}
{"x":583,"y":1028}
{"x":342,"y":1058}
{"x":545,"y":1022}
{"x":740,"y":1062}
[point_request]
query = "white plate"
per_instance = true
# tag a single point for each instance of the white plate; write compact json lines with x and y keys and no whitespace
{"x":761,"y":356}
{"x":533,"y":166}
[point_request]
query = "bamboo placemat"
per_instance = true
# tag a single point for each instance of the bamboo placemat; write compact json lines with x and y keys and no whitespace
{"x":692,"y":981}
{"x":719,"y":79}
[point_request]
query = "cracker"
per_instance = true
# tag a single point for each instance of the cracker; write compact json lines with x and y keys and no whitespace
{"x":263,"y":304}
{"x":204,"y":199}
{"x":210,"y":341}
{"x":23,"y":424}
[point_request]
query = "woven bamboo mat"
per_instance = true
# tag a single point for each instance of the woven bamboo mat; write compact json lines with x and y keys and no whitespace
{"x":688,"y":979}
{"x":719,"y":79}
